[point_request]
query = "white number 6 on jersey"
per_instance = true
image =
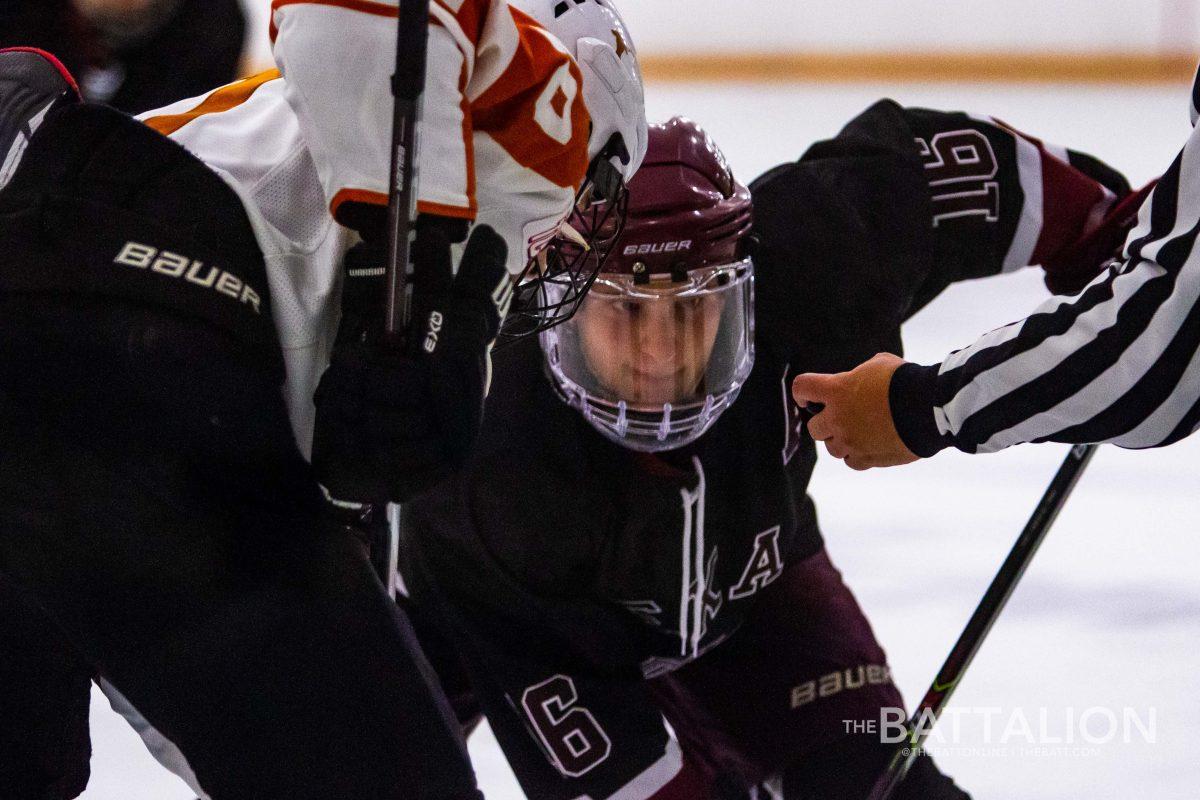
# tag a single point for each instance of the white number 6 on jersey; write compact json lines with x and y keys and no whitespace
{"x":574,"y":740}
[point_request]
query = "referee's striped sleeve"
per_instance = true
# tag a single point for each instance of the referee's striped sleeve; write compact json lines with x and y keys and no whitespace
{"x":1118,"y":363}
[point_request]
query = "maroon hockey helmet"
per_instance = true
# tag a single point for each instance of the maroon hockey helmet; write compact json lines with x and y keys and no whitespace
{"x":686,"y":210}
{"x":665,"y":339}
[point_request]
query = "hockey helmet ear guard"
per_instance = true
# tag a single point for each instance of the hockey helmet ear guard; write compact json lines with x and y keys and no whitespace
{"x":664,"y":341}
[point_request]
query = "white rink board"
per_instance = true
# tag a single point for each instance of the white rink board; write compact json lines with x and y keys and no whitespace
{"x":1108,"y":615}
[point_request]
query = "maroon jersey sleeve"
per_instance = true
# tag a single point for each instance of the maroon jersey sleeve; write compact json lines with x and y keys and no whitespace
{"x":868,"y":227}
{"x":1001,"y":199}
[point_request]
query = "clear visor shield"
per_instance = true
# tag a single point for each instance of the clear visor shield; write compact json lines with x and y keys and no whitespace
{"x":653,"y":364}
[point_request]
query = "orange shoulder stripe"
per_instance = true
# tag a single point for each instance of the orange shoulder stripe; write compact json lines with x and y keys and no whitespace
{"x":440,"y":210}
{"x":222,"y":99}
{"x":471,"y":16}
{"x":356,"y":196}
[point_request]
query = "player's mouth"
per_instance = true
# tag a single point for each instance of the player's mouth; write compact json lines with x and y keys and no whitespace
{"x":657,"y":376}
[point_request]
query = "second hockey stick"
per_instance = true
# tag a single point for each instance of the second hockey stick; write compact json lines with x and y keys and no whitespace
{"x":921,"y":723}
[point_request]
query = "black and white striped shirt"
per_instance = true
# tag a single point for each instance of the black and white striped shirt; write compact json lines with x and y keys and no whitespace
{"x":1118,"y":363}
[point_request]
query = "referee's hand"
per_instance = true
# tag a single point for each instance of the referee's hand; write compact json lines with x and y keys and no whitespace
{"x":852,"y":416}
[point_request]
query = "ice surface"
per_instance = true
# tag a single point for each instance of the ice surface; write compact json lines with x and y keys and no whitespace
{"x":1108,"y":616}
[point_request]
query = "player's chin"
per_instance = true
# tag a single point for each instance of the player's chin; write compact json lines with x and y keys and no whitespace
{"x":860,"y":464}
{"x":836,"y":448}
{"x":858,"y":460}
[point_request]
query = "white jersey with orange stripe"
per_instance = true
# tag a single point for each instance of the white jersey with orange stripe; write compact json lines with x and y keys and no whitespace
{"x":504,"y":116}
{"x":505,"y":143}
{"x":247,"y":133}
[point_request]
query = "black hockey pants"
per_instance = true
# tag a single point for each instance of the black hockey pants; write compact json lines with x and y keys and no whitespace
{"x":159,"y":526}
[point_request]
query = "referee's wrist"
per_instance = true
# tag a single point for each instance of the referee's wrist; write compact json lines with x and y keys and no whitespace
{"x":911,"y":396}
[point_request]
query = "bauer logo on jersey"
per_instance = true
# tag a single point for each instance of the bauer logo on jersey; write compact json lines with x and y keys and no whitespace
{"x":174,"y":265}
{"x":840,"y":681}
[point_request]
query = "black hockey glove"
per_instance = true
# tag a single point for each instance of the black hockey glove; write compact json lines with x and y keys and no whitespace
{"x":393,"y":422}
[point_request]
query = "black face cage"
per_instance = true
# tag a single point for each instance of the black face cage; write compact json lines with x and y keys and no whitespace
{"x":554,"y":283}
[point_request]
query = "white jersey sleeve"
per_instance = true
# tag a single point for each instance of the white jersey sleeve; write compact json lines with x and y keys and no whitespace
{"x":337,"y":60}
{"x":490,"y":69}
{"x":504,"y":141}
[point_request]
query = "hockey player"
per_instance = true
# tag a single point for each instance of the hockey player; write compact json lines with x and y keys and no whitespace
{"x":529,"y":106}
{"x":159,"y":520}
{"x":632,"y":547}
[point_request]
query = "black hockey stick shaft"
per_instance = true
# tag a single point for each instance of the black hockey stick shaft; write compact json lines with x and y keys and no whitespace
{"x":408,"y":85}
{"x":930,"y":708}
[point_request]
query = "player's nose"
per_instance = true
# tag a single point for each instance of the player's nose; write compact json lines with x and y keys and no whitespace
{"x":654,"y":335}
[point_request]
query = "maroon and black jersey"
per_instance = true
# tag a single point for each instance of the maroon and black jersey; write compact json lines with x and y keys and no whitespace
{"x":573,"y":572}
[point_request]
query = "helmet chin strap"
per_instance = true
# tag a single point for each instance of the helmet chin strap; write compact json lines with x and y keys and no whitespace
{"x":566,"y":231}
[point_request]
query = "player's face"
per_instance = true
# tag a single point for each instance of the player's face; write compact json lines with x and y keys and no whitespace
{"x":651,"y":350}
